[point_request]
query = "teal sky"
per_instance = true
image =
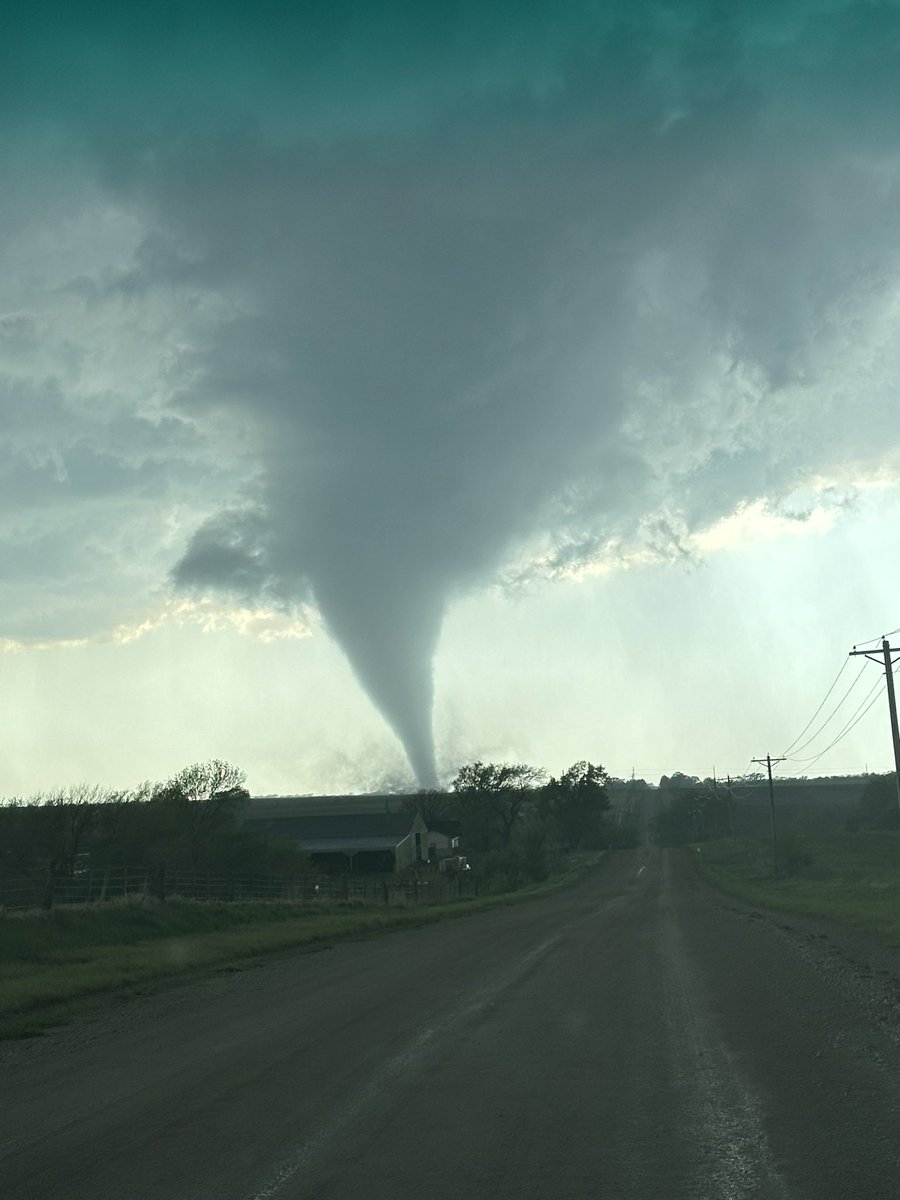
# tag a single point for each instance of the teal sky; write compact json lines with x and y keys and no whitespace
{"x":399,"y":385}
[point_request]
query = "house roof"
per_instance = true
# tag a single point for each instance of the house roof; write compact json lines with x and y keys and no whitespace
{"x":302,"y":806}
{"x":450,"y":828}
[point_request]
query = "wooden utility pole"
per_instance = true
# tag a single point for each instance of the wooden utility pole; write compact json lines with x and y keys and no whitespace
{"x":730,"y":805}
{"x":885,"y":654}
{"x":767,"y":763}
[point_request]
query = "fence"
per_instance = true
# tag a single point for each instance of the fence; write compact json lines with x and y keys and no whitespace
{"x":96,"y":886}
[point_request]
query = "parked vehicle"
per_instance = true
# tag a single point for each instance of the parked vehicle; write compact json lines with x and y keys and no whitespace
{"x":454,"y":864}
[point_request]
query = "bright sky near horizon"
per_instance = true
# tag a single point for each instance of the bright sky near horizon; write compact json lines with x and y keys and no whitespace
{"x":384,"y":387}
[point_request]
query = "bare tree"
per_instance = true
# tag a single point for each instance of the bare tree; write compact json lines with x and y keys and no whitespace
{"x":67,"y":818}
{"x":71,"y":817}
{"x":202,"y":781}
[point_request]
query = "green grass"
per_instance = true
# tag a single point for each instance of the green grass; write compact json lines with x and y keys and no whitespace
{"x":850,"y":879}
{"x":50,"y":960}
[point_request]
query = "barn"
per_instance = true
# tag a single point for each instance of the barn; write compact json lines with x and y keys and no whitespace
{"x":335,"y":840}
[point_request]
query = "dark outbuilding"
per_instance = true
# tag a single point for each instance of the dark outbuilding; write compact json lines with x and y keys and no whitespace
{"x":360,"y":841}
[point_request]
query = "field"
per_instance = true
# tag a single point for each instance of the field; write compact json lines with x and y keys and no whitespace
{"x":49,"y":960}
{"x":851,"y":879}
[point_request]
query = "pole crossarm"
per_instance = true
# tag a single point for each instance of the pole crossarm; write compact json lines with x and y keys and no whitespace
{"x":875,"y":656}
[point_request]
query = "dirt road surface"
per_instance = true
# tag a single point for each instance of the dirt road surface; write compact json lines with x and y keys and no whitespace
{"x":638,"y":1036}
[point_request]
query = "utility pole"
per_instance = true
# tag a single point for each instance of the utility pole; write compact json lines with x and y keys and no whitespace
{"x":767,"y":763}
{"x":730,"y":806}
{"x":716,"y":795}
{"x":886,"y":653}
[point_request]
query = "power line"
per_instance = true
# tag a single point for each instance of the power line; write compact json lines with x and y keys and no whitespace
{"x":819,"y":709}
{"x":854,"y":720}
{"x":879,"y":638}
{"x":865,"y":700}
{"x":740,"y":779}
{"x":743,"y":795}
{"x":809,"y":741}
{"x":786,"y":773}
{"x":851,"y":726}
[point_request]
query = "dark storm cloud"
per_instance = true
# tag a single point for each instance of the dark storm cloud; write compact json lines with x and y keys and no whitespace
{"x":486,"y":273}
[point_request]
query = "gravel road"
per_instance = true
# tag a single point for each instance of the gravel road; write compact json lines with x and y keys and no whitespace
{"x":637,"y":1036}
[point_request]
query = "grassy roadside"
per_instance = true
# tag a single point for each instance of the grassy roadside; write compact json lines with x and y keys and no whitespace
{"x":850,"y":879}
{"x":48,"y":961}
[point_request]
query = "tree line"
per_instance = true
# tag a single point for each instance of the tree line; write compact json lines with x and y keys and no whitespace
{"x":191,"y":822}
{"x":696,"y":810}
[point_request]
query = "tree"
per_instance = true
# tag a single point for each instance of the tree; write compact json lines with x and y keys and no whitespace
{"x":70,"y":816}
{"x":61,"y":824}
{"x":491,"y":798}
{"x":433,"y":804}
{"x":693,"y":813}
{"x":138,"y":828}
{"x":206,"y":781}
{"x":677,"y":781}
{"x":207,"y":798}
{"x":20,"y":850}
{"x":576,"y":803}
{"x":877,"y":807}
